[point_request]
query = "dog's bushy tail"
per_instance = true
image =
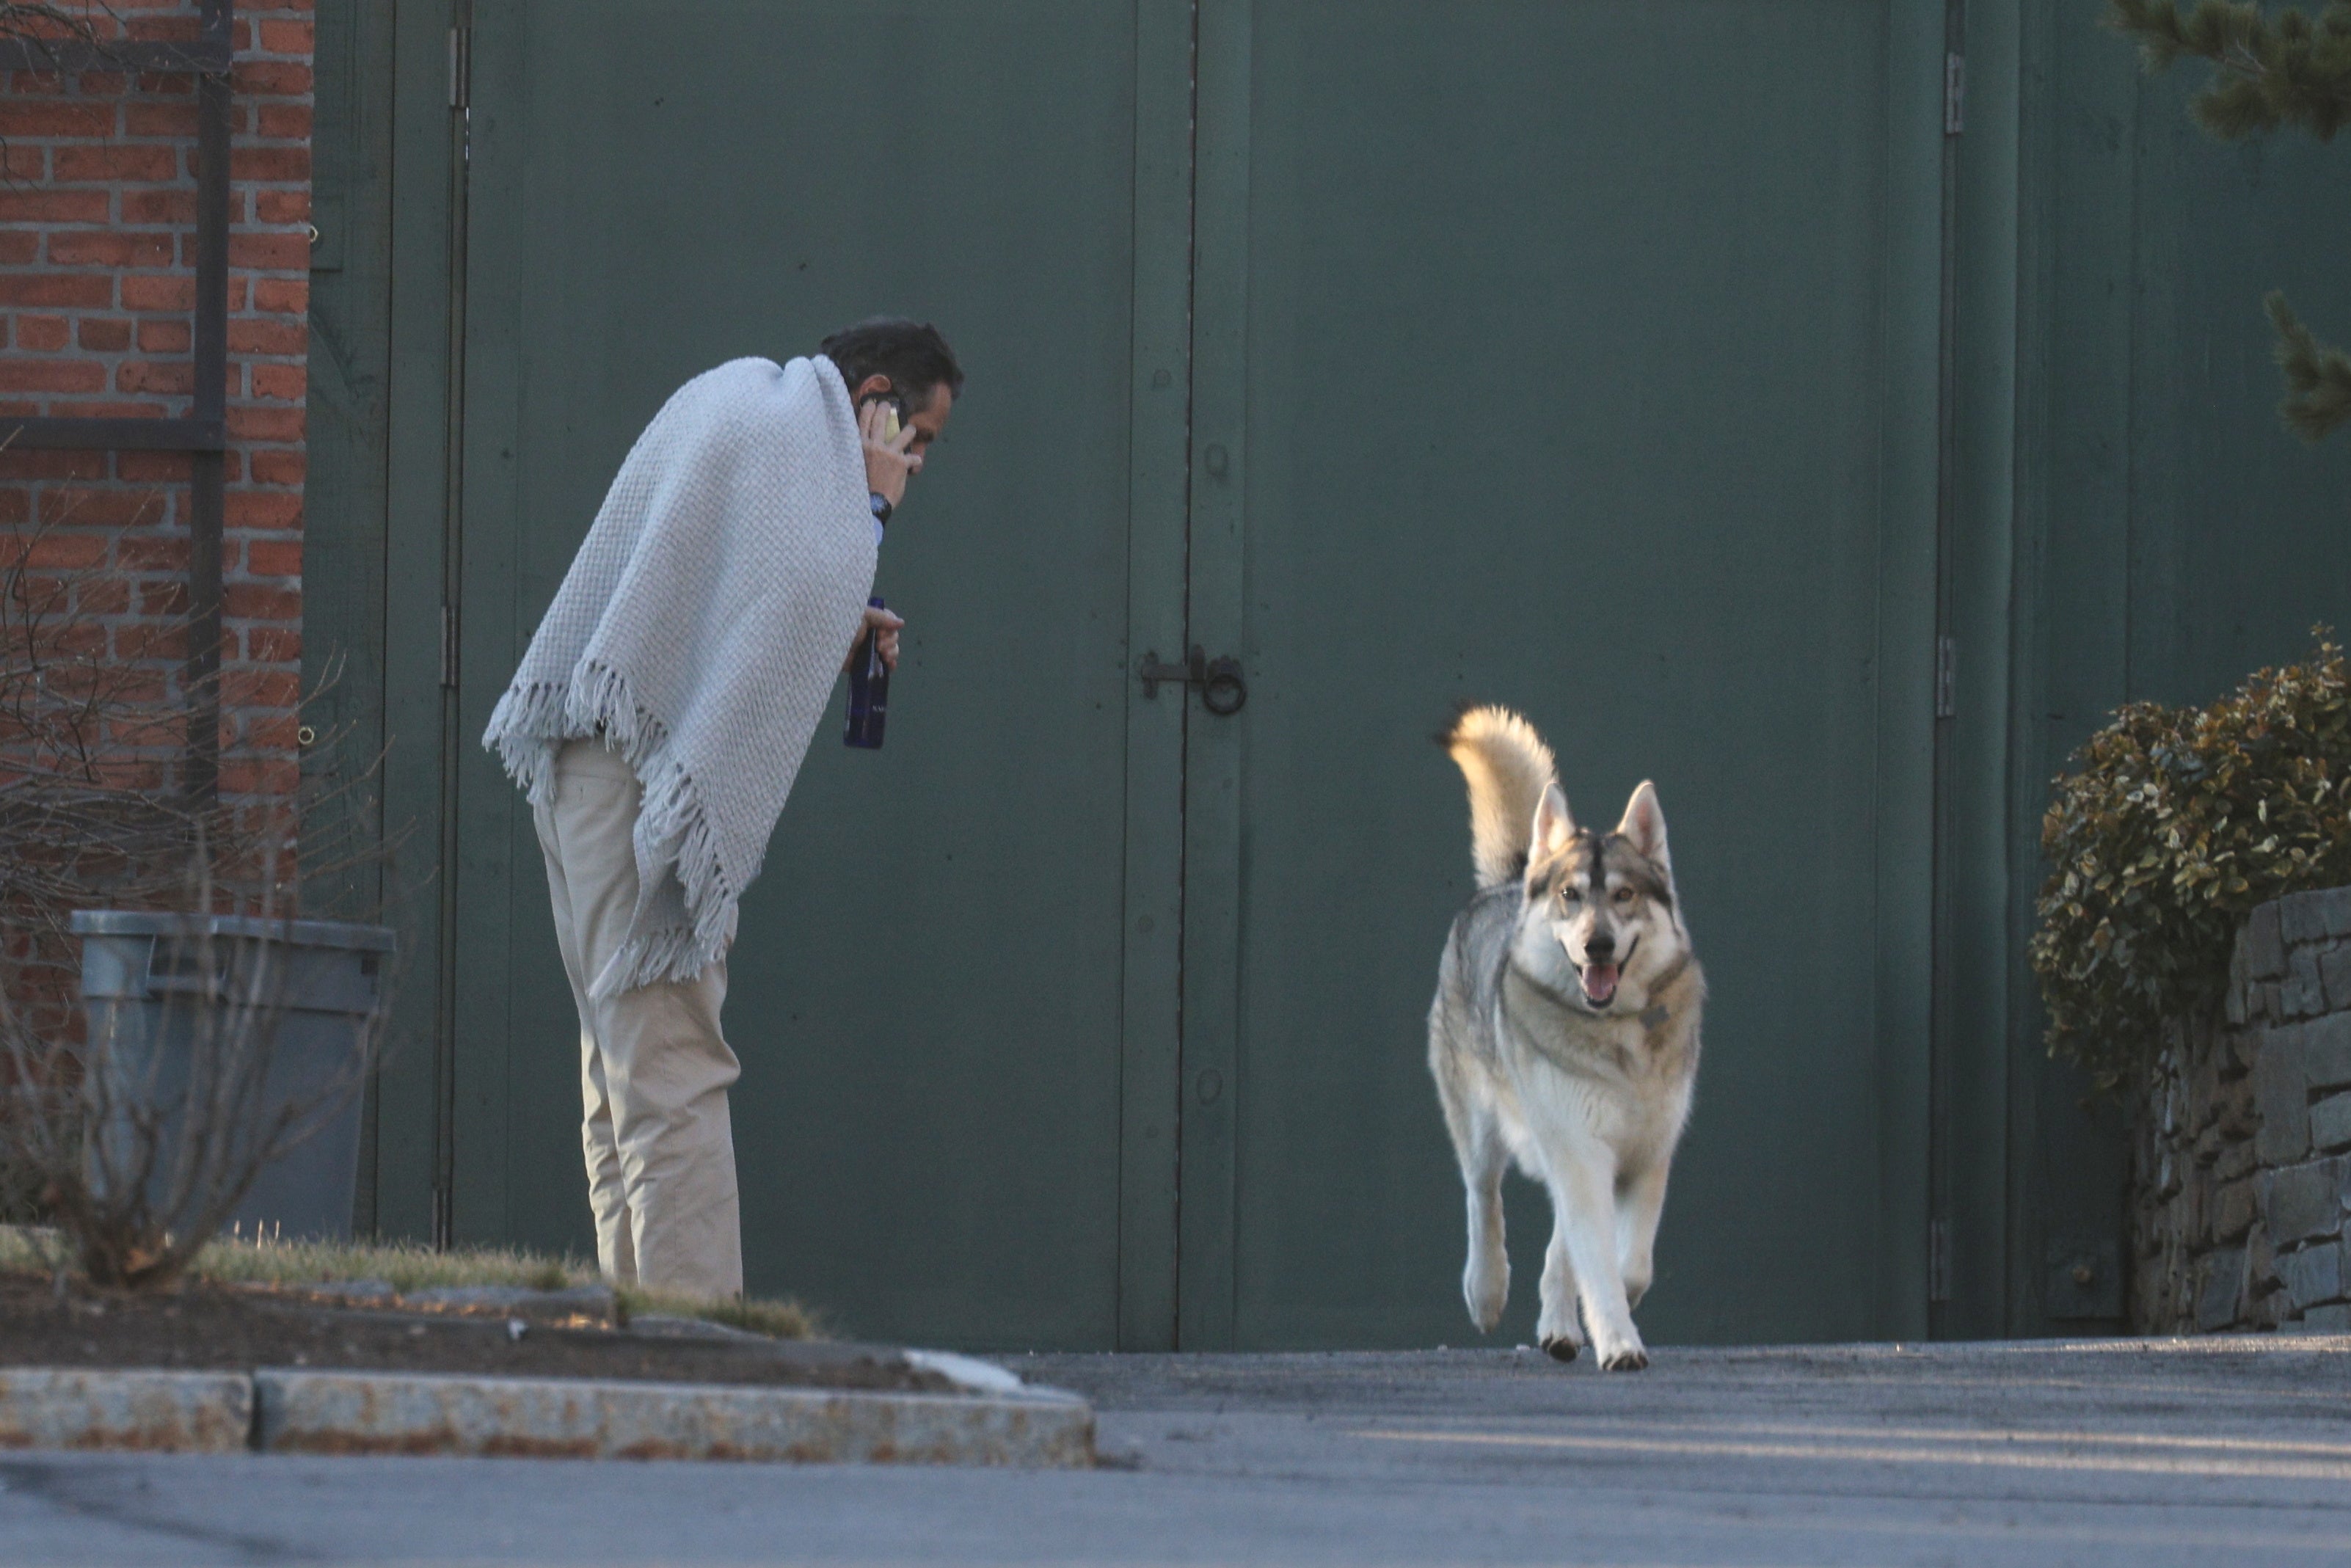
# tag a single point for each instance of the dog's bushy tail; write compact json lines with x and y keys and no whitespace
{"x":1508,"y":767}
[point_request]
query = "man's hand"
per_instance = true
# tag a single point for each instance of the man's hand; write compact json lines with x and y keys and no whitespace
{"x":888,"y":463}
{"x":884,"y":627}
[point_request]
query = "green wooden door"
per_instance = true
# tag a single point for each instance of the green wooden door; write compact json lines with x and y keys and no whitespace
{"x":1544,"y":357}
{"x":1578,"y":356}
{"x":941,"y":1021}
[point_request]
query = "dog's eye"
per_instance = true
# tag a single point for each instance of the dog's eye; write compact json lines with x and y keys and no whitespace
{"x":1623,"y":895}
{"x":1569,"y":896}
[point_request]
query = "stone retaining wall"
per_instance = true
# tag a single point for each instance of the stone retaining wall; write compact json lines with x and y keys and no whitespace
{"x":2241,"y":1154}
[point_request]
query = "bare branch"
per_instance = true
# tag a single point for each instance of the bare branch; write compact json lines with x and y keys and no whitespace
{"x":140,"y":1161}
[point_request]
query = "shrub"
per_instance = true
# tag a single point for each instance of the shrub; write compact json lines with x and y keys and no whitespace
{"x":2177,"y":823}
{"x":136,"y":1166}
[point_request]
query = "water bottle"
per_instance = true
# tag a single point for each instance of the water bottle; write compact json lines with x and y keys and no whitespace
{"x":868,"y":691}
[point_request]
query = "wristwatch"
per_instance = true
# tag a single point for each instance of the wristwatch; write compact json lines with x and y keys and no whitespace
{"x":880,"y":504}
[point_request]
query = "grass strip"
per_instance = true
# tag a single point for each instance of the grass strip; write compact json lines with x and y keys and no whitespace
{"x":410,"y":1266}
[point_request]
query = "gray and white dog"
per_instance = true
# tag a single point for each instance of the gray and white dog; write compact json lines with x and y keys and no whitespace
{"x":1565,"y":1035}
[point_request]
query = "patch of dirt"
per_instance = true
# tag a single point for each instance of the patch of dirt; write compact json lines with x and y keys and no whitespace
{"x":212,"y":1327}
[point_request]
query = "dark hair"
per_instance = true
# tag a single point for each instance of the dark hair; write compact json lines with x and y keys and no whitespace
{"x":911,"y":353}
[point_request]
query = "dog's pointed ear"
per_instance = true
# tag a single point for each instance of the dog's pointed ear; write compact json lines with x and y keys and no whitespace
{"x":1554,"y":826}
{"x":1644,"y":828}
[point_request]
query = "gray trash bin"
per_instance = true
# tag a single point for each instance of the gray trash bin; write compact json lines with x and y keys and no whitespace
{"x":145,"y":976}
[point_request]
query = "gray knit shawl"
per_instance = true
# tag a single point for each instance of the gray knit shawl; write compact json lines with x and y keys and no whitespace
{"x":700,"y":628}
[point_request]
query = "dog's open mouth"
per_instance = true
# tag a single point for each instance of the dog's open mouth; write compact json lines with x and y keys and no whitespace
{"x":1599,"y":983}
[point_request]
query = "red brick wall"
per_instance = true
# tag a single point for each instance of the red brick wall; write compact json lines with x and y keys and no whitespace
{"x":97,"y":289}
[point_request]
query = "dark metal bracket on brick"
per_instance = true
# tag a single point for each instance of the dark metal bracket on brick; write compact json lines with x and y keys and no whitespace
{"x":210,"y":52}
{"x":204,"y":434}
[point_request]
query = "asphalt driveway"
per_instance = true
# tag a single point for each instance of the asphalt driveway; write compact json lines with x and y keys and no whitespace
{"x":2121,"y":1451}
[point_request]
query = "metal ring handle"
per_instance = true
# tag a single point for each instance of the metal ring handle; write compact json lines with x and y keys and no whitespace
{"x":1224,"y":693}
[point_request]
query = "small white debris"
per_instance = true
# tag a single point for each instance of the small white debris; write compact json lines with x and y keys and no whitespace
{"x":972,"y":1375}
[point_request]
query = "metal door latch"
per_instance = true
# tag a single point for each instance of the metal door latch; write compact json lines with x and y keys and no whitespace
{"x":1223,"y":691}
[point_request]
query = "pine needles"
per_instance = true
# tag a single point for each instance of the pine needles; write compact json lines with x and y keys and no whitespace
{"x":2290,"y":70}
{"x":2287,"y":71}
{"x":2317,"y":376}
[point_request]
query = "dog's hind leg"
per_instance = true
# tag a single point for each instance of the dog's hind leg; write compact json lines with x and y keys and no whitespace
{"x":1638,"y":1207}
{"x":1478,"y":1144}
{"x":1486,"y":1279}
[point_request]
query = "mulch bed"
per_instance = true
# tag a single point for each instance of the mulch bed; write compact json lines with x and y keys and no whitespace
{"x":214,"y":1327}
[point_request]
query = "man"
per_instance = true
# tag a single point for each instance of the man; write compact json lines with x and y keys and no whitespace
{"x":657,"y":722}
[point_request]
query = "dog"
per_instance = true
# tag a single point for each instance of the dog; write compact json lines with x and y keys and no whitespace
{"x":1565,"y":1035}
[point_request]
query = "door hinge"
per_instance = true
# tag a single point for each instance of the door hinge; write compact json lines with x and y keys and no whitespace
{"x":1947,"y":703}
{"x":1939,"y":1261}
{"x":1954,"y":93}
{"x":461,"y":67}
{"x":448,"y":648}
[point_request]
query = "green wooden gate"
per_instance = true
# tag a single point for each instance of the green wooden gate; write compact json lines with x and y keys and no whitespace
{"x":1549,"y":344}
{"x":1578,"y":356}
{"x":928,"y":996}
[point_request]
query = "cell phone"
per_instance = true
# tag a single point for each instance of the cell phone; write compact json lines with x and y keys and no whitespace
{"x":893,"y":413}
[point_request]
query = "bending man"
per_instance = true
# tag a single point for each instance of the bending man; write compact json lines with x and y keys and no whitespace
{"x":657,"y":722}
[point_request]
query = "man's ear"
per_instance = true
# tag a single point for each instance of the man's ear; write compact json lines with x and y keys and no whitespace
{"x":1554,"y":826}
{"x":873,"y":386}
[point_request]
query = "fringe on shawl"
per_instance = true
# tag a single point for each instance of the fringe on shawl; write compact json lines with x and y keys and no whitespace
{"x":671,"y":815}
{"x":527,"y":727}
{"x":532,"y":722}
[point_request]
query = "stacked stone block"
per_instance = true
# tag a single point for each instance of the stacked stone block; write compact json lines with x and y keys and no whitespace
{"x":2241,"y":1162}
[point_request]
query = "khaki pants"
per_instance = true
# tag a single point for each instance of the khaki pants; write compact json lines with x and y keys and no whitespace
{"x":654,"y":1068}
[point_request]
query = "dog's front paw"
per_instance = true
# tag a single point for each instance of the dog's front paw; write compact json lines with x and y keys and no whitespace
{"x":1486,"y":1289}
{"x":1556,"y":1331}
{"x":1625,"y":1358}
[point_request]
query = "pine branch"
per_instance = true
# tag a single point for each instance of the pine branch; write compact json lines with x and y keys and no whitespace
{"x":2317,"y":376}
{"x":2290,"y":69}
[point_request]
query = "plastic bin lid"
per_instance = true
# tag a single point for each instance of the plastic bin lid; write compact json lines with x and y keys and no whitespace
{"x":294,"y":933}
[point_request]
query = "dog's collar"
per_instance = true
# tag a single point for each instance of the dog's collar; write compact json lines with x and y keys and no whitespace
{"x":1655,"y":1015}
{"x":1671,"y":973}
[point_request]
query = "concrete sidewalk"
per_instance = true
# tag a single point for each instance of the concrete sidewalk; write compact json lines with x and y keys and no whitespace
{"x":2102,"y":1452}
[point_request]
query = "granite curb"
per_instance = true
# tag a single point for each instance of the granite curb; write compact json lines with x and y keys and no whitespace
{"x":996,"y":1420}
{"x":144,"y":1409}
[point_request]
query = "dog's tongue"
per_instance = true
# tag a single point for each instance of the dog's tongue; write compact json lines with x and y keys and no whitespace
{"x":1599,"y":983}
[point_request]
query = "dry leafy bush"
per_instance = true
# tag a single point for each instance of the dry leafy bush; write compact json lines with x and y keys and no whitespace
{"x":2177,"y":823}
